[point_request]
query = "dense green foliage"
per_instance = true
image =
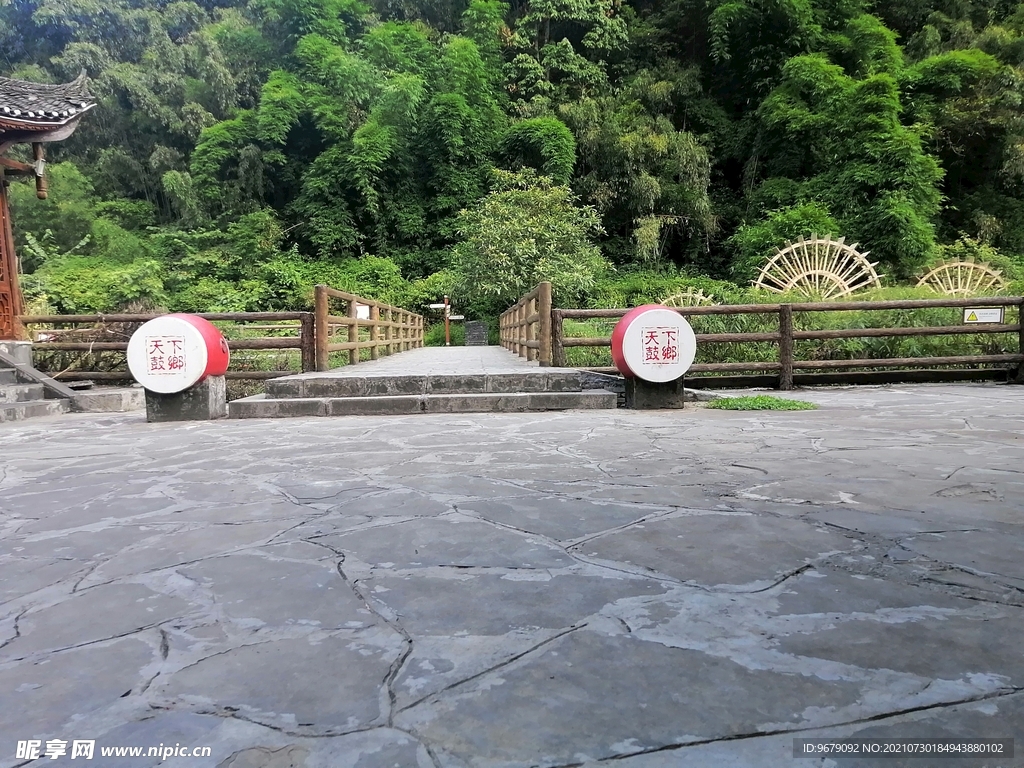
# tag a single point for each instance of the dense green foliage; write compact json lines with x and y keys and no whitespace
{"x":244,"y":150}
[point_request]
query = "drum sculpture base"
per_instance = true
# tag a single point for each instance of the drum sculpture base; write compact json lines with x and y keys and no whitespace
{"x":205,"y":401}
{"x":649,"y":395}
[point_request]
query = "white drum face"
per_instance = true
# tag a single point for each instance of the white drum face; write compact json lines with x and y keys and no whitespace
{"x":659,"y":345}
{"x":167,"y":355}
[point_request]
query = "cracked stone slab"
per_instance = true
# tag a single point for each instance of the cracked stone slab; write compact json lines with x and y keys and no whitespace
{"x":260,"y":591}
{"x":986,"y":718}
{"x":606,"y":696}
{"x":395,"y":503}
{"x":102,"y":540}
{"x":718,"y":549}
{"x":40,"y":698}
{"x":183,"y":547}
{"x":34,"y":574}
{"x":881,"y":523}
{"x":86,"y":617}
{"x":450,"y":541}
{"x":236,"y":743}
{"x":462,"y":603}
{"x":835,"y":592}
{"x":996,"y":551}
{"x":281,"y":695}
{"x":558,"y":517}
{"x":979,"y":645}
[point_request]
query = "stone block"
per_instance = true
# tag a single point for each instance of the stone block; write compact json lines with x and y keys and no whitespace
{"x":394,"y":385}
{"x":205,"y":401}
{"x":454,"y":384}
{"x":476,"y":333}
{"x":21,"y":351}
{"x":648,"y":395}
{"x":397,"y":405}
{"x":113,"y":400}
{"x":20,"y":393}
{"x":569,"y":401}
{"x":286,"y":386}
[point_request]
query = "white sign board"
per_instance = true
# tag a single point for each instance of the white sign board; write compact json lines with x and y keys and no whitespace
{"x":167,"y":355}
{"x":658,"y":345}
{"x":436,"y":306}
{"x":362,"y":311}
{"x":983,"y":314}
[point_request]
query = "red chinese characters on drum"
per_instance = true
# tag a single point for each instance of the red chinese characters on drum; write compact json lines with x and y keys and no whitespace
{"x":653,"y":343}
{"x":174,"y":352}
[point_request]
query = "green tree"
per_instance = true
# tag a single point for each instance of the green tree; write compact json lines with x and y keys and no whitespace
{"x":526,"y":230}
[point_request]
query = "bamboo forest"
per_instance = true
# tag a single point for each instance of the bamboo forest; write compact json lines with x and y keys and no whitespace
{"x":242,"y":151}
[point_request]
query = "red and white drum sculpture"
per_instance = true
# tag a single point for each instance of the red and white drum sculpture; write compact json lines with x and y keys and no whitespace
{"x":653,"y":343}
{"x":174,"y":352}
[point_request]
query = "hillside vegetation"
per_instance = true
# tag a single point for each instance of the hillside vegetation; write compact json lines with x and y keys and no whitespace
{"x":243,"y":151}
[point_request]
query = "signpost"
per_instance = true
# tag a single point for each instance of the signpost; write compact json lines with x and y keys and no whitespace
{"x":653,"y":346}
{"x":448,"y":317}
{"x":984,"y":314}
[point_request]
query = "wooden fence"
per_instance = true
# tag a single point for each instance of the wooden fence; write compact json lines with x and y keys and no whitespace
{"x":785,"y":363}
{"x":49,"y":340}
{"x":389,"y":329}
{"x":525,"y":327}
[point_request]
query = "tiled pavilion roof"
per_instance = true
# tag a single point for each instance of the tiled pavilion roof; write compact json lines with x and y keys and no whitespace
{"x":26,"y":106}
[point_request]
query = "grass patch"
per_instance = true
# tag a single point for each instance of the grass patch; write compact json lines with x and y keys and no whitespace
{"x":760,"y":403}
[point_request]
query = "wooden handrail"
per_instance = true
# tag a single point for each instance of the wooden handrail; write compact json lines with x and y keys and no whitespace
{"x":402,"y":329}
{"x":525,"y":328}
{"x":786,"y":336}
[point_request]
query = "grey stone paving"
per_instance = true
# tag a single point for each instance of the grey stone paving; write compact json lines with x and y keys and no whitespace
{"x":636,"y":589}
{"x":429,"y":361}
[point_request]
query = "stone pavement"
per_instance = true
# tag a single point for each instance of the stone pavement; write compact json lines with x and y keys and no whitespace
{"x":635,"y":589}
{"x":430,"y":361}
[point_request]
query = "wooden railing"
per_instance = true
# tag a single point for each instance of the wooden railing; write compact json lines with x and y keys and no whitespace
{"x":525,"y":327}
{"x":390,"y":329}
{"x":785,"y":363}
{"x":49,"y":340}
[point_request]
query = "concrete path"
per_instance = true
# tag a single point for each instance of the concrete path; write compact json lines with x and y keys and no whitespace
{"x":436,"y":361}
{"x":635,"y":589}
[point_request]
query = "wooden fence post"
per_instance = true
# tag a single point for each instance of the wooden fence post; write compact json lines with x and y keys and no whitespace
{"x":322,"y":328}
{"x":1019,"y":378}
{"x":544,"y":308}
{"x":353,"y":330}
{"x":375,"y":318}
{"x":531,"y":330}
{"x":307,"y":341}
{"x":522,"y":330}
{"x":786,"y":347}
{"x":557,"y":349}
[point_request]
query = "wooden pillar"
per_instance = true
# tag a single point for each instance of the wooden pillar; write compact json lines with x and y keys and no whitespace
{"x":531,"y":330}
{"x":322,"y":328}
{"x":1019,"y":378}
{"x":353,"y":331}
{"x":544,"y":308}
{"x":557,"y":349}
{"x":11,"y":304}
{"x":307,"y":341}
{"x":374,"y":338}
{"x":786,"y":347}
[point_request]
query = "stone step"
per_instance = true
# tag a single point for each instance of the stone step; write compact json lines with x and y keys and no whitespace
{"x":326,"y":385}
{"x":20,"y":393}
{"x":265,"y":407}
{"x":8,"y":376}
{"x":33,"y":409}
